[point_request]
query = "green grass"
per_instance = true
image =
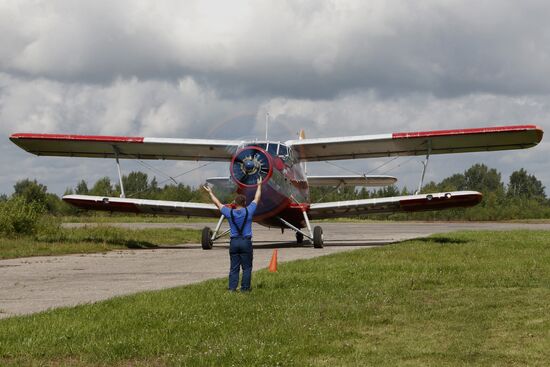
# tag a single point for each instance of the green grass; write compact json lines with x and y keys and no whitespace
{"x":92,"y":239}
{"x":468,"y":298}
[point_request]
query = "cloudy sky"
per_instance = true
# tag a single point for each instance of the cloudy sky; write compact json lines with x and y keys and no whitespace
{"x":212,"y":69}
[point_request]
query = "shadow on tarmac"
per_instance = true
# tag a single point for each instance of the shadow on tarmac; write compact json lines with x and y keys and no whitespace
{"x":286,"y":244}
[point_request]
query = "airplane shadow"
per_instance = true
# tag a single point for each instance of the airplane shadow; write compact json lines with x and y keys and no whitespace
{"x":282,"y":244}
{"x":442,"y":240}
{"x":359,"y":242}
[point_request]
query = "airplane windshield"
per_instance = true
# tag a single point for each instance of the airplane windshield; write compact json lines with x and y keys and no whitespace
{"x":272,"y":148}
{"x":283,"y":150}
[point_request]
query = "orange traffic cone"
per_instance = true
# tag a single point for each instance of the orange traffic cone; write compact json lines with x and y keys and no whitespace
{"x":273,"y":262}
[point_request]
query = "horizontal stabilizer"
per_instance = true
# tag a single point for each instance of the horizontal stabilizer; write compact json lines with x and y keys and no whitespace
{"x":126,"y":147}
{"x":417,"y":143}
{"x":128,"y":205}
{"x":222,"y":182}
{"x":410,"y":203}
{"x":351,"y":180}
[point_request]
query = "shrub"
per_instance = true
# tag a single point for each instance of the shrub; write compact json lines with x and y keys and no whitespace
{"x":19,"y":217}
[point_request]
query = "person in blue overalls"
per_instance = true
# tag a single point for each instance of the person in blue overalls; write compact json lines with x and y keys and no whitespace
{"x":240,"y":245}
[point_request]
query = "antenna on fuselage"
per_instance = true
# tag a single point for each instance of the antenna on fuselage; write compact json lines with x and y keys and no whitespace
{"x":301,"y":136}
{"x":266,"y":124}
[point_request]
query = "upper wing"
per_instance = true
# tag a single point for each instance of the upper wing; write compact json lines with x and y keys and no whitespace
{"x":114,"y":204}
{"x":394,"y":204}
{"x":351,"y":180}
{"x":126,"y":147}
{"x":418,"y":143}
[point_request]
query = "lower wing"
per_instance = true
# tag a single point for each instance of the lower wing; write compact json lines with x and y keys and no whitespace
{"x":114,"y":204}
{"x":410,"y":203}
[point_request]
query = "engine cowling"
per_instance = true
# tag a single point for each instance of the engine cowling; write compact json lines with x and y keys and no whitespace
{"x":249,"y":164}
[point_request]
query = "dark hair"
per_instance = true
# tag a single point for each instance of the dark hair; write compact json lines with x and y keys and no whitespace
{"x":240,"y":200}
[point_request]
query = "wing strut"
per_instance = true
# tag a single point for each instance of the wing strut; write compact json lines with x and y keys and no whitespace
{"x":122,"y":194}
{"x":307,"y":223}
{"x":217,"y":229}
{"x":425,"y":164}
{"x":296,"y":229}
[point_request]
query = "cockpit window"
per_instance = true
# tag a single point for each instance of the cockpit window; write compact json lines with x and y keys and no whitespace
{"x":262,"y":145}
{"x":283,"y":150}
{"x":272,"y":148}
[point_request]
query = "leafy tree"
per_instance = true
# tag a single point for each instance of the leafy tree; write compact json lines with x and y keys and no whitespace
{"x":456,"y":182}
{"x":178,"y":192}
{"x":525,"y":186}
{"x":480,"y":178}
{"x":31,"y":191}
{"x":3,"y":197}
{"x":363,"y":193}
{"x":387,"y":191}
{"x":134,"y":183}
{"x":102,"y":187}
{"x":82,"y":188}
{"x":154,"y":188}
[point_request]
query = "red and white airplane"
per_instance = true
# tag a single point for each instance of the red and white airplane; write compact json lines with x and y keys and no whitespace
{"x":285,"y":199}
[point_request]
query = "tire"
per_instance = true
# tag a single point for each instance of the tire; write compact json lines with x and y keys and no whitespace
{"x":299,"y":238}
{"x":318,"y":237}
{"x":206,"y":239}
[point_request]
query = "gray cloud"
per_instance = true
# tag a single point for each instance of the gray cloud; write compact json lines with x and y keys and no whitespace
{"x":213,"y":68}
{"x":307,"y":49}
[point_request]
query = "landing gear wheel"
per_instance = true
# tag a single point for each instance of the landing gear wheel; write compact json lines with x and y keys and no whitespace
{"x":299,"y":237}
{"x":206,"y":240}
{"x":318,"y":237}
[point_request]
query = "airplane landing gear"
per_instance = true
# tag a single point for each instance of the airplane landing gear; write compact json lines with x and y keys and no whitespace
{"x":318,"y":238}
{"x":316,"y":235}
{"x":206,"y":239}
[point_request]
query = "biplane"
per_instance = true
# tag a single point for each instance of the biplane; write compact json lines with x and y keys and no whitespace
{"x":285,"y":201}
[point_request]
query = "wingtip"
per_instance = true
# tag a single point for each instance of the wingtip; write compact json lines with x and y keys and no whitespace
{"x":540,"y":133}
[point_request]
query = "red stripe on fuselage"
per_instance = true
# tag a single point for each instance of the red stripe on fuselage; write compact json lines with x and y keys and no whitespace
{"x":101,"y":138}
{"x":496,"y":129}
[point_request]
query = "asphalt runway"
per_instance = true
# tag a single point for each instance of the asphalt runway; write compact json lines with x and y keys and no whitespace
{"x":29,"y":285}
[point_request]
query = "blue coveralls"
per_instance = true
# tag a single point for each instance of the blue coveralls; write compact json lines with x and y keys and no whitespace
{"x":240,"y":246}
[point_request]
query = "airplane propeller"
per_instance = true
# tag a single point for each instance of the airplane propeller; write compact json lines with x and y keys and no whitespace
{"x":249,"y":164}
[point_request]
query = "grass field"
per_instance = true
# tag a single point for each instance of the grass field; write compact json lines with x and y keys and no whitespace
{"x":468,"y":298}
{"x":93,"y":239}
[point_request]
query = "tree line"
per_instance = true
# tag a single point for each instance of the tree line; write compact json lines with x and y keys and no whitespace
{"x":522,"y":197}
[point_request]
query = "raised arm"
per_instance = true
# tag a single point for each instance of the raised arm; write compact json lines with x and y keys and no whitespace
{"x":213,"y":197}
{"x":258,"y":191}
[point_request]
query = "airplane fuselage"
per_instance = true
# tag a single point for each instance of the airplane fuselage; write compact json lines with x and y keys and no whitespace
{"x":285,"y":191}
